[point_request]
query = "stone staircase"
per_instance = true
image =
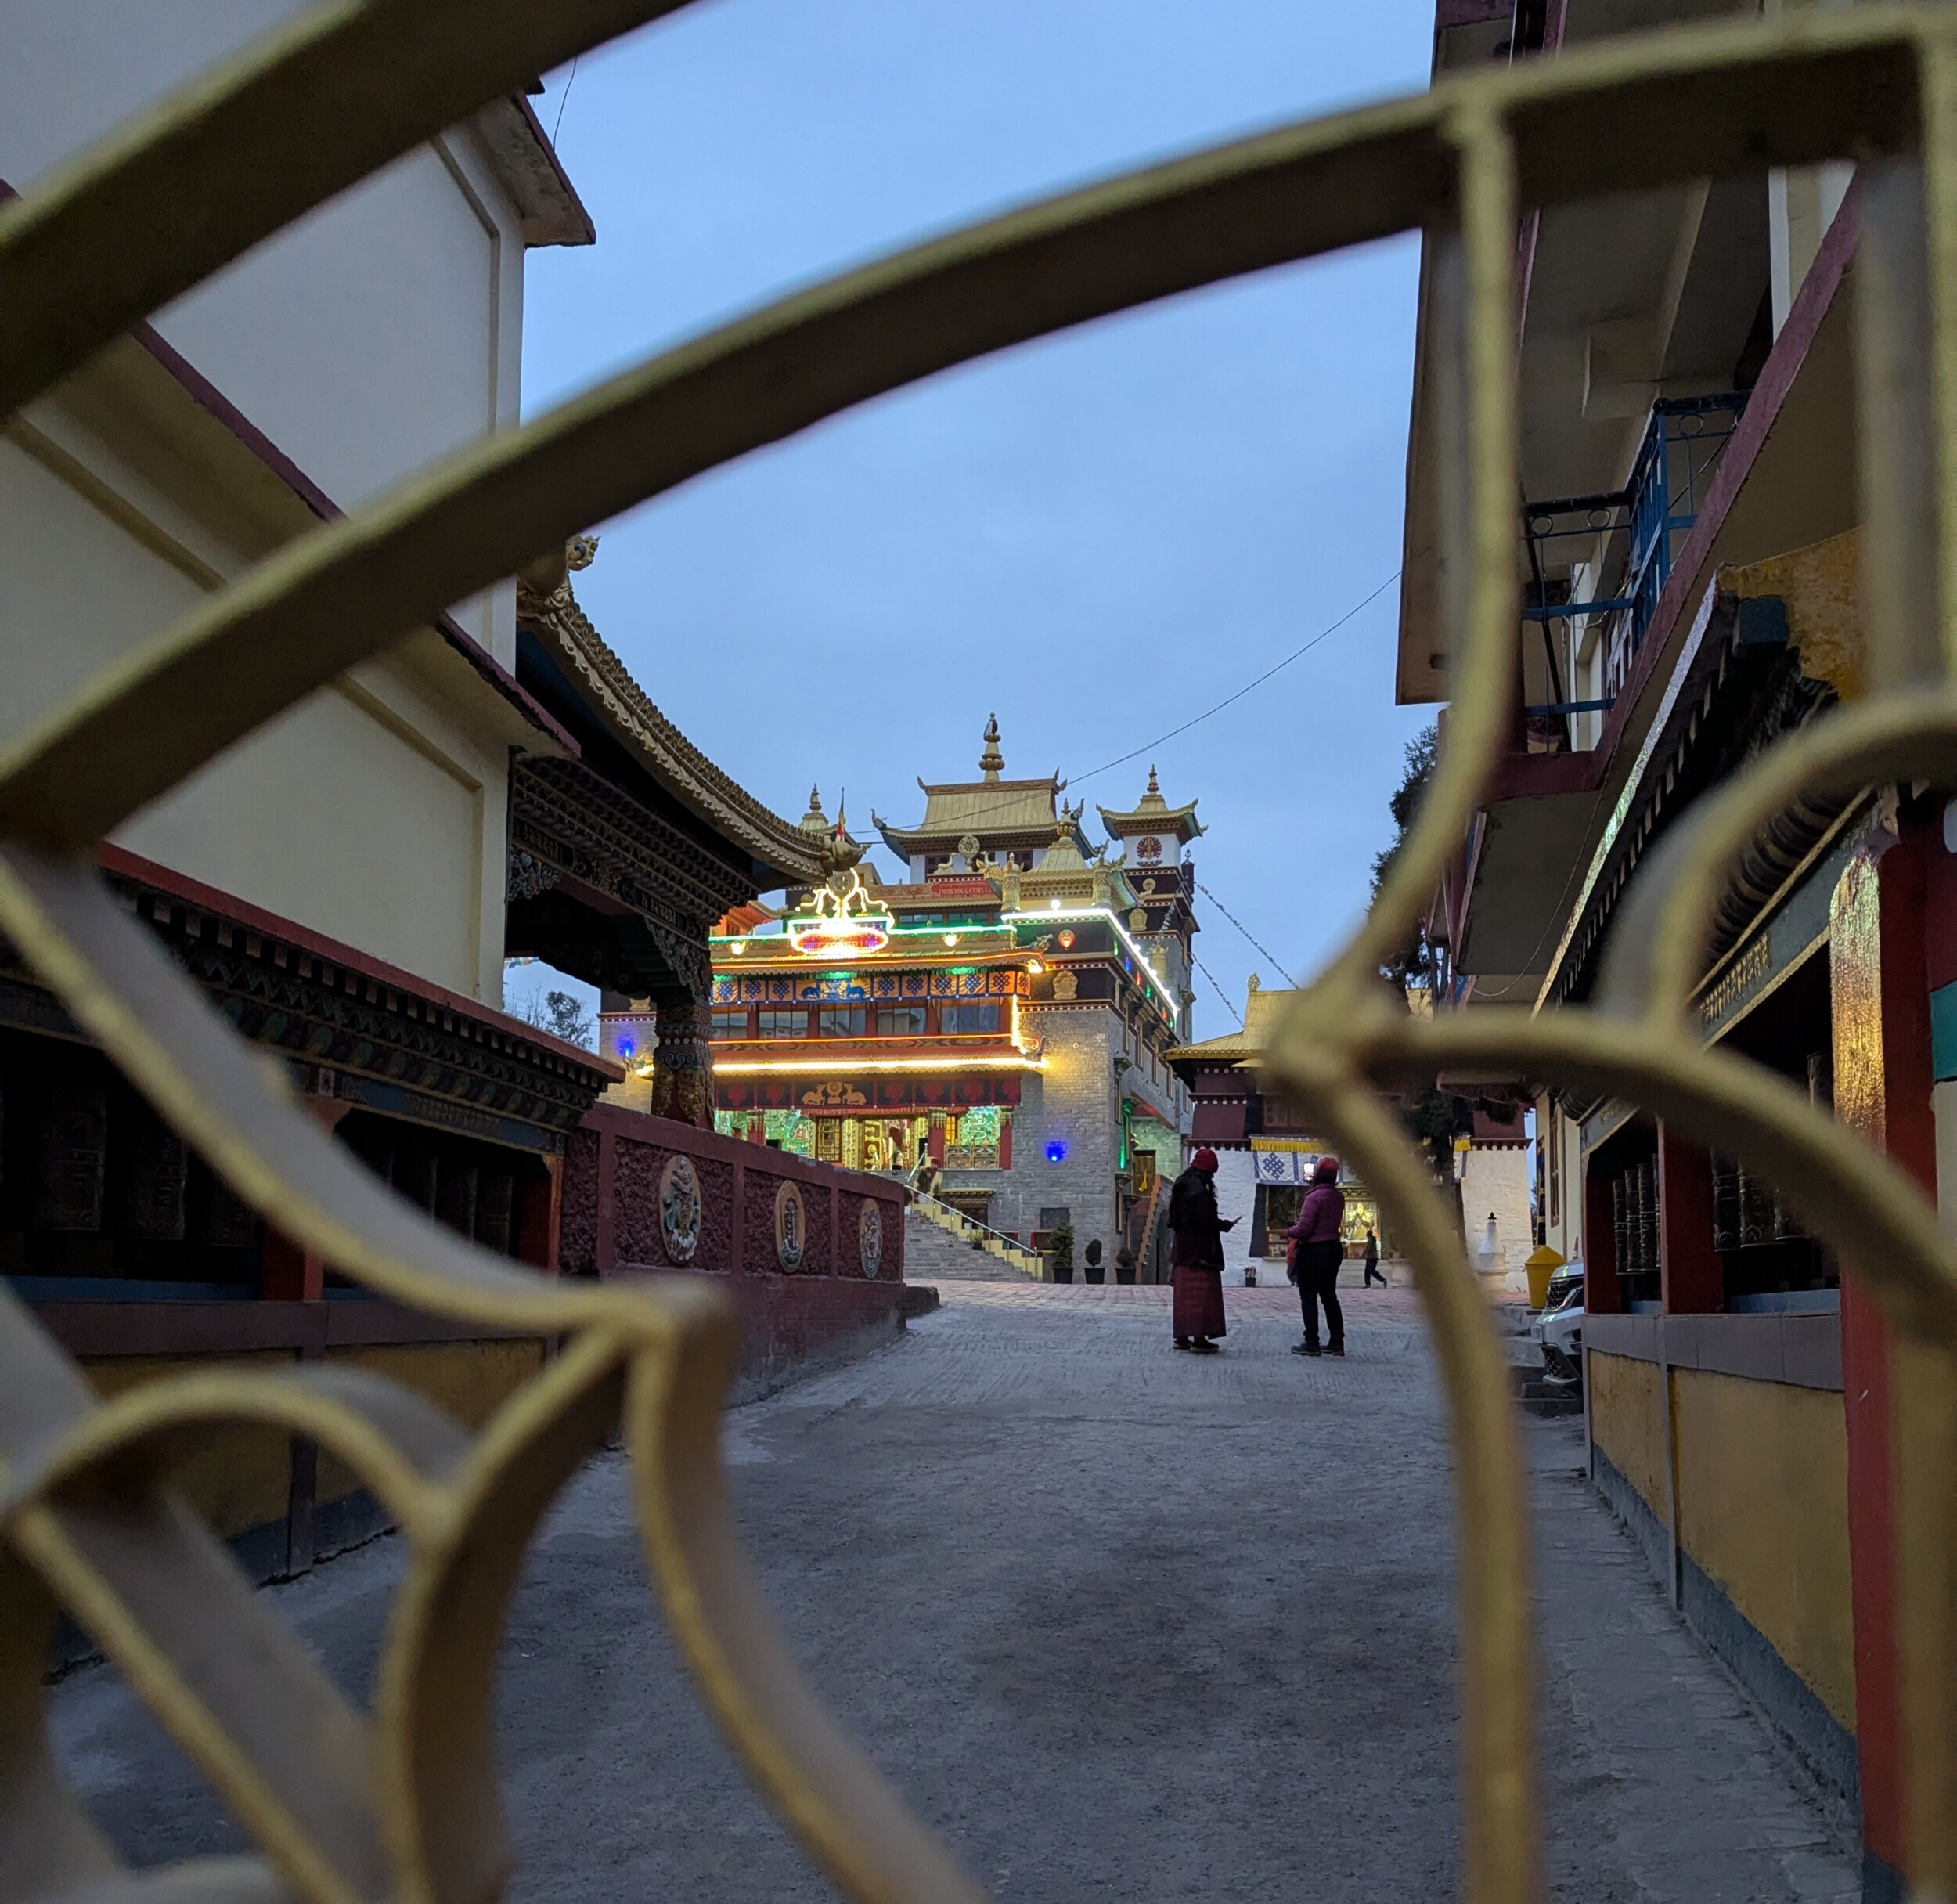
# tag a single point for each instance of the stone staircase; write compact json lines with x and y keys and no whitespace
{"x":933,"y":1254}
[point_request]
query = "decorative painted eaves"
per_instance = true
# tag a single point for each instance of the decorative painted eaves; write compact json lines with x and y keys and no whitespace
{"x":801,"y":857}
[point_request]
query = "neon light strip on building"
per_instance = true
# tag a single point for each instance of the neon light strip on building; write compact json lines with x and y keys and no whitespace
{"x":731,"y":1067}
{"x":1154,"y":987}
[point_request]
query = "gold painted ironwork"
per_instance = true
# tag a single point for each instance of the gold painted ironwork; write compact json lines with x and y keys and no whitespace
{"x":346,"y":1807}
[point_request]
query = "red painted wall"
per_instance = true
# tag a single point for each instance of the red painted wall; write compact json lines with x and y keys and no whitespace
{"x":611,"y":1226}
{"x":1880,"y":998}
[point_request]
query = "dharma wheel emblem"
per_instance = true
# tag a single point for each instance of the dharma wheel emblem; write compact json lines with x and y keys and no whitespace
{"x":679,"y":1209}
{"x":870,"y":1236}
{"x":792,"y":1227}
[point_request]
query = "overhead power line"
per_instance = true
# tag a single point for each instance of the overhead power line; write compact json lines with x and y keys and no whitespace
{"x":563,"y":99}
{"x":1231,"y":700}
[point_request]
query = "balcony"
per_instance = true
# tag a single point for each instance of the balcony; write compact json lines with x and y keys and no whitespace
{"x":1591,"y":631}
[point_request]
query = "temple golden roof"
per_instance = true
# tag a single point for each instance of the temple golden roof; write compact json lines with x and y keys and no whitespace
{"x":1153,"y":815}
{"x":993,"y":810}
{"x":1261,"y":1011}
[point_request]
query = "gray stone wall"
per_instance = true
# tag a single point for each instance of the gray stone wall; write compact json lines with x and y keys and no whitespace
{"x":1077,"y":1102}
{"x":1015,"y":1210}
{"x":1078,"y":1109}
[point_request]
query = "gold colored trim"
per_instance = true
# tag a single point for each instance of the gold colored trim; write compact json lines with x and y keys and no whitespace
{"x":345,"y":1810}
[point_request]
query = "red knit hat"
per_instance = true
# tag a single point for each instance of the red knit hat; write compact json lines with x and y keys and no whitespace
{"x":1204,"y":1160}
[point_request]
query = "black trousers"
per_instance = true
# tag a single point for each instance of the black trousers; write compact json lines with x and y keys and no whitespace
{"x":1318,"y":1283}
{"x":1374,"y":1273}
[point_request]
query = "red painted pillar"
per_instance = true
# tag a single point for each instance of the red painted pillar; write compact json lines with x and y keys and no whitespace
{"x":1603,"y":1295}
{"x":605,"y":1245}
{"x":541,"y":1217}
{"x":1881,"y":995}
{"x":1005,"y":1140}
{"x":287,"y":1272}
{"x":1692,"y":1280}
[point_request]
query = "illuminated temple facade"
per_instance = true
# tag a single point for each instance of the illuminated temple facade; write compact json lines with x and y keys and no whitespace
{"x":1005,"y":1007}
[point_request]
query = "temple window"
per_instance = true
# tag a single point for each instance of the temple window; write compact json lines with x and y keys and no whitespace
{"x":900,"y":1021}
{"x":842,"y":1021}
{"x":783,"y":1024}
{"x":730,"y":1024}
{"x":968,"y":1020}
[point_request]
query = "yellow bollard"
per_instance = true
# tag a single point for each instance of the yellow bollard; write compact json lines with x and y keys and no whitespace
{"x":1543,"y":1262}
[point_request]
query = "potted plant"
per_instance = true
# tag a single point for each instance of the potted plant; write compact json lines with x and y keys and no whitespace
{"x":1095,"y":1272}
{"x":1060,"y":1252}
{"x":1124,"y":1264}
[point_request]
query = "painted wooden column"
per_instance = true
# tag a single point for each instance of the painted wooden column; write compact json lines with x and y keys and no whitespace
{"x":1882,"y":1082}
{"x":1603,"y":1294}
{"x":1692,"y":1280}
{"x":605,"y":1242}
{"x":540,"y":1218}
{"x":287,"y":1272}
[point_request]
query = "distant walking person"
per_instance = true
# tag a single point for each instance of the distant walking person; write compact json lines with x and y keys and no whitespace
{"x":1374,"y":1273}
{"x":1320,"y":1250}
{"x":1196,"y":1264}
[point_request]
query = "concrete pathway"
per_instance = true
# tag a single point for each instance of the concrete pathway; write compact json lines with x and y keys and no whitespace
{"x":1122,"y":1622}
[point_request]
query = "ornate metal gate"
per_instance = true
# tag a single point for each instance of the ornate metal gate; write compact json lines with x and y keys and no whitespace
{"x":403,"y":1803}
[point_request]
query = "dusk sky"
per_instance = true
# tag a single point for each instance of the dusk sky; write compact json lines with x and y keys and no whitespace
{"x":1097,"y":536}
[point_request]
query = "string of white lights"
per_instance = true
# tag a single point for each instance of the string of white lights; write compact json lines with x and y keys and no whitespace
{"x":1219,"y":990}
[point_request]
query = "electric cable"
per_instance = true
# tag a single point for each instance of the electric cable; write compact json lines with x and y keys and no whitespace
{"x":563,"y":99}
{"x":1231,"y":700}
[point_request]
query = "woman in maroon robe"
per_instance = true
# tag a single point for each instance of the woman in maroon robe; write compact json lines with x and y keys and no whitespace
{"x":1197,"y":1263}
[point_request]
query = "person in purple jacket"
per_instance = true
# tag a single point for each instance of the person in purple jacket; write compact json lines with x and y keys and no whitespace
{"x":1320,"y":1250}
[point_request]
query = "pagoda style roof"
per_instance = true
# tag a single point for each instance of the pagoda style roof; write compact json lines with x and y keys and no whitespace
{"x":801,"y":857}
{"x":982,"y":808}
{"x":1153,"y":815}
{"x":993,"y":810}
{"x":1261,"y":1011}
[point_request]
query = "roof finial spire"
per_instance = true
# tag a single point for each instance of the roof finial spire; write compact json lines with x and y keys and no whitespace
{"x":815,"y":799}
{"x":992,"y":763}
{"x":1155,"y":786}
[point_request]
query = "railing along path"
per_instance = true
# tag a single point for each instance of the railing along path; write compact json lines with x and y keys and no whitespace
{"x":345,"y":1806}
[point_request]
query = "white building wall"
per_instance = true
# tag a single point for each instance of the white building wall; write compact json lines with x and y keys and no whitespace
{"x":379,"y":333}
{"x":1495,"y":1181}
{"x":1563,"y":1213}
{"x":1236,"y":1197}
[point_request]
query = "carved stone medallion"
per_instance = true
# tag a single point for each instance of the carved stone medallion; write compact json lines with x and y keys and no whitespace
{"x":679,"y":1209}
{"x":870,"y":1236}
{"x":792,"y":1227}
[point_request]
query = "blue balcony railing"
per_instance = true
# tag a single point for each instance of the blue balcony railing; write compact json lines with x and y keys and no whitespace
{"x":1641,"y":526}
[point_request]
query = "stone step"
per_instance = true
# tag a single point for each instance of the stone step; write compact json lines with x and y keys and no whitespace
{"x":933,"y":1253}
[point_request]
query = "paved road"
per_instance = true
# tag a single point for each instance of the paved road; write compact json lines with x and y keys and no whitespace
{"x":1123,"y":1623}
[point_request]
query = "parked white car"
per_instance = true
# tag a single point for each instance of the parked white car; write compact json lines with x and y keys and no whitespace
{"x":1558,"y":1333}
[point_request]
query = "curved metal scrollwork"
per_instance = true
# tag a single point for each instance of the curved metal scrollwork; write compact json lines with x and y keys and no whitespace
{"x":347,"y":1807}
